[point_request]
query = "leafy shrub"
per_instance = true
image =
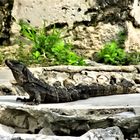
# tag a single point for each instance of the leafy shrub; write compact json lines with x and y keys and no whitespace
{"x":51,"y":47}
{"x":112,"y":54}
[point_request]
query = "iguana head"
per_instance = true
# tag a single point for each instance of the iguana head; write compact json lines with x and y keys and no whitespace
{"x":18,"y":69}
{"x":14,"y":65}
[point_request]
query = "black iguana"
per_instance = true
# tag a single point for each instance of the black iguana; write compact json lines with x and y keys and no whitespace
{"x":41,"y":92}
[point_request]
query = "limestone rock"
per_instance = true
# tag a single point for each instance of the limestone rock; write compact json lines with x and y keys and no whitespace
{"x":70,"y":119}
{"x":128,"y":122}
{"x":6,"y":130}
{"x":91,"y":39}
{"x":5,"y":21}
{"x":112,"y":79}
{"x":5,"y":90}
{"x":46,"y":131}
{"x":105,"y":80}
{"x":135,"y":11}
{"x":37,"y":137}
{"x":70,"y":11}
{"x":50,"y":11}
{"x":132,"y":43}
{"x":111,"y":133}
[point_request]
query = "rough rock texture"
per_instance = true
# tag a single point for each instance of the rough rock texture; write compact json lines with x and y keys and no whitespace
{"x":111,"y":133}
{"x":64,"y":119}
{"x":125,"y":78}
{"x":106,"y":80}
{"x":71,"y":11}
{"x":5,"y":21}
{"x":90,"y":23}
{"x":69,"y":120}
{"x":52,"y":11}
{"x":128,"y":122}
{"x":6,"y":130}
{"x":132,"y":43}
{"x":89,"y":39}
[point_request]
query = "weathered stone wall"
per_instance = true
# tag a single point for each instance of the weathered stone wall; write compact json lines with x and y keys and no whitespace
{"x":72,"y":12}
{"x":5,"y":21}
{"x":91,"y":23}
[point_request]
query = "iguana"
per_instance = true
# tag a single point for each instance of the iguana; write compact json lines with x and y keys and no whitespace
{"x":41,"y":92}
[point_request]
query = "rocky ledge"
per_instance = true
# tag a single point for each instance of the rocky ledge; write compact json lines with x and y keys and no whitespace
{"x":108,"y":117}
{"x":89,"y":119}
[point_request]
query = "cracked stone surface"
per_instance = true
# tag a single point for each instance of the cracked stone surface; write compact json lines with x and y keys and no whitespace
{"x":90,"y":24}
{"x":111,"y":133}
{"x":72,"y":119}
{"x":5,"y":21}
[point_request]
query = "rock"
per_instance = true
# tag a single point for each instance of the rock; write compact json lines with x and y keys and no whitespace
{"x":18,"y":119}
{"x":6,"y":130}
{"x":90,"y":40}
{"x":98,"y":78}
{"x":111,"y":133}
{"x":46,"y":131}
{"x":68,"y":11}
{"x":95,"y":80}
{"x":5,"y":21}
{"x":5,"y":90}
{"x":37,"y":137}
{"x":71,"y":119}
{"x":102,"y":79}
{"x":128,"y":122}
{"x":132,"y":43}
{"x":135,"y":11}
{"x":21,"y":130}
{"x":81,"y":78}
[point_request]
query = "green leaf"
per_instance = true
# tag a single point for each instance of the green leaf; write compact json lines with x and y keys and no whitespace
{"x":36,"y":54}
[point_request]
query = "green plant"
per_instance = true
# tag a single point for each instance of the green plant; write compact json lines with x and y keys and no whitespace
{"x":112,"y":54}
{"x":133,"y":58}
{"x":122,"y":35}
{"x":51,"y":47}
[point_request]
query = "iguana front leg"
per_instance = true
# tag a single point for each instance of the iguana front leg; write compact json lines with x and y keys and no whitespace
{"x":32,"y":100}
{"x":37,"y":99}
{"x":24,"y":99}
